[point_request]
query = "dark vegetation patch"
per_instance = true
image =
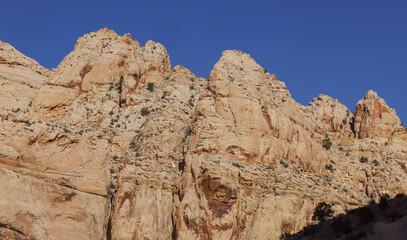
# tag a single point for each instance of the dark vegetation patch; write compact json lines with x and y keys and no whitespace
{"x":355,"y":224}
{"x":326,"y":143}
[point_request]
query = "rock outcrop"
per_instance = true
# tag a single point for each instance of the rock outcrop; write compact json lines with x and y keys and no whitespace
{"x":115,"y":143}
{"x":373,"y":118}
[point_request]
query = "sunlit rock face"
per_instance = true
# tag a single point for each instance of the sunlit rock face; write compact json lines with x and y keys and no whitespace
{"x":373,"y":118}
{"x":115,"y":143}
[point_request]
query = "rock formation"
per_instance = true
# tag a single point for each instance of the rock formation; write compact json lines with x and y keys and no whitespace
{"x":373,"y":118}
{"x":115,"y":143}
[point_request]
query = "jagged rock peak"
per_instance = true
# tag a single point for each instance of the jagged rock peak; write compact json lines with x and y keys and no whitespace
{"x":322,"y":98}
{"x":335,"y":116}
{"x":374,"y":118}
{"x":106,"y":38}
{"x":237,"y":73}
{"x":104,"y":34}
{"x":238,"y":61}
{"x":371,"y":95}
{"x":122,"y":146}
{"x":105,"y":56}
{"x":12,"y":57}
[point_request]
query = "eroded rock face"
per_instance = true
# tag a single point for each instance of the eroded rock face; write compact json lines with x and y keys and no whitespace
{"x":6,"y":233}
{"x":44,"y":210}
{"x":252,"y":118}
{"x":116,"y":144}
{"x":374,"y":118}
{"x":333,"y":118}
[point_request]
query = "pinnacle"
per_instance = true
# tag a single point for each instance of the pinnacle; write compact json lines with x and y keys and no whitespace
{"x":103,"y":32}
{"x":371,"y":95}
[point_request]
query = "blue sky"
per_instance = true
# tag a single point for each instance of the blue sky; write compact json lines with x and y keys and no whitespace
{"x":339,"y":48}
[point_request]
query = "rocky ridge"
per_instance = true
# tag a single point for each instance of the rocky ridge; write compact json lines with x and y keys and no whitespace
{"x":115,"y":143}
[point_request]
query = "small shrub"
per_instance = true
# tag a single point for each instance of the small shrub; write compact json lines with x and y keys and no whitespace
{"x":236,"y":164}
{"x":329,"y":167}
{"x":144,"y":111}
{"x":375,"y":163}
{"x":326,"y":143}
{"x":188,"y":130}
{"x":135,"y":147}
{"x":150,"y":87}
{"x":190,"y":102}
{"x":384,"y":204}
{"x":111,"y":113}
{"x":269,"y":168}
{"x":191,"y":87}
{"x":322,"y":212}
{"x":285,"y":164}
{"x":363,"y":159}
{"x":285,"y":236}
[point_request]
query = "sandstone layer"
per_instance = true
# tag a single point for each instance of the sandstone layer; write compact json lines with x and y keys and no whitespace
{"x":115,"y":143}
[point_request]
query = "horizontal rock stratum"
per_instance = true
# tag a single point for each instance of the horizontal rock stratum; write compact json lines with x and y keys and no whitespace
{"x":115,"y":143}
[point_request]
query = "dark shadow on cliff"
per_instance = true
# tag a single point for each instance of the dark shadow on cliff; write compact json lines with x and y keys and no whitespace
{"x":389,"y":216}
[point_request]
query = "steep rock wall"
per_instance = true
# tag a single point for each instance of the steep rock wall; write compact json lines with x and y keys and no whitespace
{"x":116,"y":144}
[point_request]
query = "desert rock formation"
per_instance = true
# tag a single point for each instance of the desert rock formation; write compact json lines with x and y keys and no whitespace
{"x":115,"y":143}
{"x":373,"y":118}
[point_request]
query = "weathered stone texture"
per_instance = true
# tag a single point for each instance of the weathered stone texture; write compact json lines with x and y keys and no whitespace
{"x":117,"y":144}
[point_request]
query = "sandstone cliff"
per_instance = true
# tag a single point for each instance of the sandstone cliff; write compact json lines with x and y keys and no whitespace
{"x":115,"y":143}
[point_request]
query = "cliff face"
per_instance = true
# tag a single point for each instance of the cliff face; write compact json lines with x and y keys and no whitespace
{"x":116,"y":144}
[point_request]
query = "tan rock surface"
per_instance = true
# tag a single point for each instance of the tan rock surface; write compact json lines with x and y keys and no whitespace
{"x":333,"y":118}
{"x":116,"y":144}
{"x":253,"y":118}
{"x":374,"y":118}
{"x":42,"y":210}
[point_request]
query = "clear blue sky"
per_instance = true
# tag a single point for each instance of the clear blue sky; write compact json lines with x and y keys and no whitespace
{"x":340,"y":48}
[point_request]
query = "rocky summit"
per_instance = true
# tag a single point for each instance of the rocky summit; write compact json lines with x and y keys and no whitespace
{"x":117,"y":144}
